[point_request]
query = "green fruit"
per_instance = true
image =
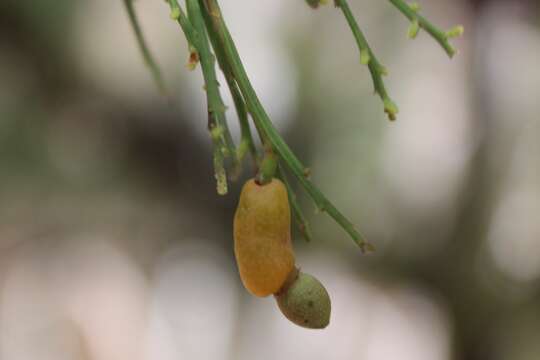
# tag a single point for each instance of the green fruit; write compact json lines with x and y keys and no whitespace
{"x":304,"y":301}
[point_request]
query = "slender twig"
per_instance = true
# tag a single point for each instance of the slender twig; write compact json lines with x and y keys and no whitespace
{"x":216,"y":106}
{"x":180,"y":16}
{"x":246,"y":138}
{"x":439,"y":35}
{"x":145,"y":51}
{"x":367,"y":57}
{"x":194,"y":30}
{"x":261,"y":117}
{"x":301,"y":222}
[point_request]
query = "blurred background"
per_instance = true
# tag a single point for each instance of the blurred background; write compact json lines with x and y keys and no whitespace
{"x":115,"y":245}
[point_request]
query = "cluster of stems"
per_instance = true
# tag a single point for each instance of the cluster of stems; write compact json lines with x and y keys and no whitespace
{"x":209,"y":39}
{"x":367,"y":57}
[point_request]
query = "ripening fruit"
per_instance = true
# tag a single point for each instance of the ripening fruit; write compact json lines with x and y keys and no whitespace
{"x":262,"y":237}
{"x":305,"y":302}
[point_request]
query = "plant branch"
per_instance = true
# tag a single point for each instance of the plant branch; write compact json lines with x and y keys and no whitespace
{"x":442,"y":37}
{"x":179,"y":15}
{"x":367,"y":57}
{"x":246,"y":139}
{"x":298,"y":215}
{"x":261,"y":117}
{"x":145,"y":51}
{"x":194,"y":30}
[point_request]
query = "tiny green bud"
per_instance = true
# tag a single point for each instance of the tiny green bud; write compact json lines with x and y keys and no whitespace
{"x":225,"y":151}
{"x":456,"y":31}
{"x":390,"y":108}
{"x":365,"y":56}
{"x":413,"y":29}
{"x":216,"y":132}
{"x":451,"y":50}
{"x":175,"y":13}
{"x":382,"y":70}
{"x":415,"y":6}
{"x":242,"y":150}
{"x":367,"y":248}
{"x":304,"y":301}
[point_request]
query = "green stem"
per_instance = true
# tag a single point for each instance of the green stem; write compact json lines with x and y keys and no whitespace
{"x":145,"y":51}
{"x":195,"y":33}
{"x":261,"y":117}
{"x":298,"y":214}
{"x":246,"y":138}
{"x":440,"y":36}
{"x":367,"y":57}
{"x":178,"y":15}
{"x":216,"y":106}
{"x":268,"y":168}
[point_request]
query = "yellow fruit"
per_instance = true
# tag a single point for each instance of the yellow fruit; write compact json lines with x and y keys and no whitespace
{"x":305,"y":301}
{"x":262,"y":237}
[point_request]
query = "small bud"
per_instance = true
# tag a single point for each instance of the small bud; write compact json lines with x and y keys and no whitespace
{"x":217,"y":108}
{"x":365,"y":56}
{"x":413,"y":29}
{"x":415,"y":6}
{"x":193,"y":59}
{"x":242,"y":150}
{"x":304,"y":301}
{"x":175,"y":13}
{"x":451,"y":51}
{"x":225,"y":152}
{"x":367,"y":248}
{"x":216,"y":132}
{"x":454,"y":32}
{"x":390,"y":108}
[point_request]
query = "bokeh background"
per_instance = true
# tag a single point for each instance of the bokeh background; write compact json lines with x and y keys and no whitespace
{"x":114,"y":244}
